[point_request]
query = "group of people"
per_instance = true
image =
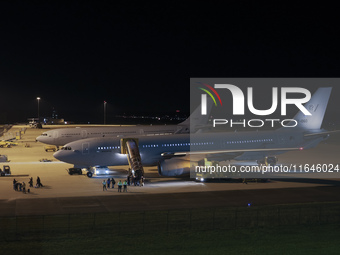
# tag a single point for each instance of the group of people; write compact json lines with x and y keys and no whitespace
{"x":132,"y":180}
{"x":135,"y":178}
{"x":109,"y":182}
{"x":106,"y":184}
{"x":112,"y":182}
{"x":18,"y":186}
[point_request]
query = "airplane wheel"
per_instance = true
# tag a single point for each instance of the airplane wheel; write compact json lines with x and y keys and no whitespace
{"x":89,"y":174}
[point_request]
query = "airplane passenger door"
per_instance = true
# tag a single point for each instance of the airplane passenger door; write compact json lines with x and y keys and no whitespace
{"x":85,"y":148}
{"x":83,"y":134}
{"x":55,"y":135}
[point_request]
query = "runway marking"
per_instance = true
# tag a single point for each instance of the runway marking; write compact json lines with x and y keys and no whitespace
{"x":38,"y":162}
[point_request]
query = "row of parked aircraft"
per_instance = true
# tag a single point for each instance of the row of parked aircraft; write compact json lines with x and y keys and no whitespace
{"x":85,"y":147}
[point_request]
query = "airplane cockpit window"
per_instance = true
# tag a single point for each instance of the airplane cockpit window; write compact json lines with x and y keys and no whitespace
{"x":43,"y":134}
{"x":67,"y":148}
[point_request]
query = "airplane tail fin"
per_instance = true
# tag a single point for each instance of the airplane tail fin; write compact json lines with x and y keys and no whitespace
{"x":196,"y":119}
{"x":317,"y":107}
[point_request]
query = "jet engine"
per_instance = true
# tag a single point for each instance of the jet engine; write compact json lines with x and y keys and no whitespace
{"x":174,"y":167}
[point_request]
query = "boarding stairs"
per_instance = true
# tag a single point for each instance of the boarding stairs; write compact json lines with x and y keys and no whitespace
{"x":129,"y":146}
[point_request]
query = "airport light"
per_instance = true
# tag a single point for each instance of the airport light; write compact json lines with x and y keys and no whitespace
{"x":105,"y":112}
{"x":38,"y":98}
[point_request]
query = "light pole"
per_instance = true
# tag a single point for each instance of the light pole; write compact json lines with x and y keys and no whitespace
{"x":38,"y":98}
{"x":105,"y":112}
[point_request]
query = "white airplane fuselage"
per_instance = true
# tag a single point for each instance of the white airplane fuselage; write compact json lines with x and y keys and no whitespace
{"x":107,"y":151}
{"x":62,"y":136}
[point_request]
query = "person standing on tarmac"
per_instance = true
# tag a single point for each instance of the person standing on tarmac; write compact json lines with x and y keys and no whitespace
{"x":14,"y":184}
{"x":104,"y":185}
{"x":125,"y":186}
{"x":120,"y":186}
{"x":108,"y":182}
{"x":142,"y":181}
{"x":113,"y":182}
{"x":24,"y":187}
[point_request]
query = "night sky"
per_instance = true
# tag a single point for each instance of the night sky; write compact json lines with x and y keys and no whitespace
{"x":139,"y":56}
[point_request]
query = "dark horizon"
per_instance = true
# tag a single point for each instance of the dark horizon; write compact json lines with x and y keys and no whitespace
{"x":139,"y":57}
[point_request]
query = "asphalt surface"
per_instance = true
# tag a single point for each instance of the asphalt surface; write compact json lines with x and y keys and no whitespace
{"x":168,"y":201}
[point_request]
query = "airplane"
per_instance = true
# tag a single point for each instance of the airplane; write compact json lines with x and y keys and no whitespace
{"x":59,"y":137}
{"x":171,"y":154}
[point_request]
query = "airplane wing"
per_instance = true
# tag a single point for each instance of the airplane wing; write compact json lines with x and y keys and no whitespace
{"x":187,"y":153}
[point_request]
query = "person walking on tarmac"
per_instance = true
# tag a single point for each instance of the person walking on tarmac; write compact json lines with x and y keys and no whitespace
{"x":125,"y":186}
{"x":30,"y":182}
{"x":39,"y":184}
{"x":120,"y":186}
{"x":104,"y":185}
{"x":113,"y":182}
{"x":108,"y":182}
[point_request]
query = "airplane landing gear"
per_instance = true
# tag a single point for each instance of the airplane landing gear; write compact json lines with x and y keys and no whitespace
{"x":268,"y":161}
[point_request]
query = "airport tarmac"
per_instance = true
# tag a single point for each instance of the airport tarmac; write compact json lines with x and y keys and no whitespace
{"x":63,"y":193}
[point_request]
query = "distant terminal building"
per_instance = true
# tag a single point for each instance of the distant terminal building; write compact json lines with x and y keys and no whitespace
{"x":53,"y":120}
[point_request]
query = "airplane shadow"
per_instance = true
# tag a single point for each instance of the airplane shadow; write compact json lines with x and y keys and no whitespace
{"x":313,"y":181}
{"x":43,"y":187}
{"x":159,"y":180}
{"x":31,"y":193}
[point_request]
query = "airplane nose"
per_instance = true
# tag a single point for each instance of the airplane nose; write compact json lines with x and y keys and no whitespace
{"x":70,"y":156}
{"x":57,"y":155}
{"x":39,"y":139}
{"x":65,"y":155}
{"x":61,"y":155}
